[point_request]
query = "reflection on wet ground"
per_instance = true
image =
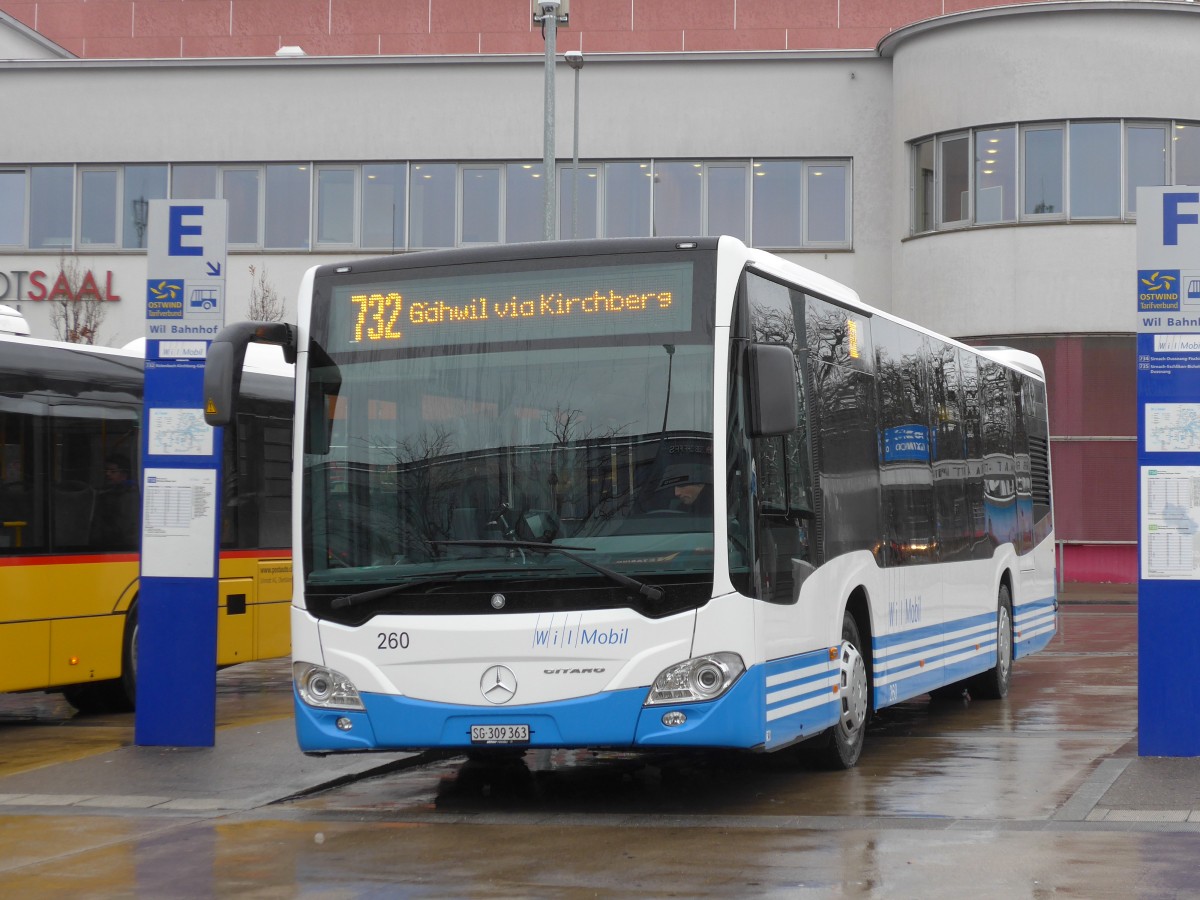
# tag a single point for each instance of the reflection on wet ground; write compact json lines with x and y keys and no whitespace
{"x":951,"y":799}
{"x":38,"y":727}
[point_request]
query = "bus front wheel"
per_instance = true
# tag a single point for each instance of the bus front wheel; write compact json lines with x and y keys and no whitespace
{"x":841,"y":745}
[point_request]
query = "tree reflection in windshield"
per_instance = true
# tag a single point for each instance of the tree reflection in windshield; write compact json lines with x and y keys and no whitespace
{"x":556,"y":445}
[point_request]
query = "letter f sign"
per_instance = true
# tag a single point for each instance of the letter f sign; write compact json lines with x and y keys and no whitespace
{"x":1173,"y":218}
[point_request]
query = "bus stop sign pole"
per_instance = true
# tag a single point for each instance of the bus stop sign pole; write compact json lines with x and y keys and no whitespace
{"x":1168,"y":390}
{"x":176,"y":646}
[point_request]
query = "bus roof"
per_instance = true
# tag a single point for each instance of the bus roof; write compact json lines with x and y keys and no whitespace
{"x":261,"y":359}
{"x":762,"y":260}
{"x":12,"y":322}
{"x":1015,"y":359}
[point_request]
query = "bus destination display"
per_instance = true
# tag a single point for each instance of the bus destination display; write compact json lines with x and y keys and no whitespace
{"x":514,"y":306}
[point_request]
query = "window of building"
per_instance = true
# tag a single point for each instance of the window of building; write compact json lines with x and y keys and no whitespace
{"x":777,"y":220}
{"x":285,"y":218}
{"x":627,"y":199}
{"x":50,"y":207}
{"x":194,"y":182}
{"x":1185,"y":140}
{"x":578,"y":202}
{"x":923,"y":187}
{"x":954,"y":164}
{"x":97,"y":207}
{"x":240,"y":188}
{"x":1071,"y":170}
{"x":384,"y":205}
{"x":524,"y":202}
{"x":728,"y":201}
{"x":678,"y":198}
{"x":995,"y":176}
{"x":336,"y":192}
{"x":480,"y":214}
{"x":1145,"y":160}
{"x":431,"y":222}
{"x":141,"y":184}
{"x":1044,"y":164}
{"x":1094,"y":160}
{"x":12,"y":208}
{"x":786,"y":205}
{"x":826,"y":204}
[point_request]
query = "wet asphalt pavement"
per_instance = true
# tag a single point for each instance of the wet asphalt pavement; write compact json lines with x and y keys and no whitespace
{"x":1041,"y":794}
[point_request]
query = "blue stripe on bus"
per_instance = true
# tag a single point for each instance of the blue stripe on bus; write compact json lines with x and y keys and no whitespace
{"x":609,"y":719}
{"x":938,"y":661}
{"x":1034,"y":625}
{"x":800,"y":696}
{"x":880,"y":642}
{"x":774,"y":704}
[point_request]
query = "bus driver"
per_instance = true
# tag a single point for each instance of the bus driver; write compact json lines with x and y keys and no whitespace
{"x":691,"y":484}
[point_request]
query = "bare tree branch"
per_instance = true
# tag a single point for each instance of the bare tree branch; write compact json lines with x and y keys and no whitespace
{"x":265,"y":303}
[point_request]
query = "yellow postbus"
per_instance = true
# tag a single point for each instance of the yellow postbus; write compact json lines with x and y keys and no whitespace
{"x":70,"y":449}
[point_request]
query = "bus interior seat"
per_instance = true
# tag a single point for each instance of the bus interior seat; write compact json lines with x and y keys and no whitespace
{"x":74,"y":502}
{"x":16,"y":512}
{"x":275,"y":524}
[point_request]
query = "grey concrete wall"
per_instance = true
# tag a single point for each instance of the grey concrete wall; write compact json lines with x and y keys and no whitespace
{"x":708,"y":108}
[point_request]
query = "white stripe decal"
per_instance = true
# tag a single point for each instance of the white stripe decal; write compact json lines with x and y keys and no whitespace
{"x":1029,"y":635}
{"x":810,"y":703}
{"x":795,"y":674}
{"x":1034,"y":621}
{"x":799,"y":690}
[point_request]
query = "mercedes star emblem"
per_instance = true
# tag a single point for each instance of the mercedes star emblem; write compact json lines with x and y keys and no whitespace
{"x":498,"y":684}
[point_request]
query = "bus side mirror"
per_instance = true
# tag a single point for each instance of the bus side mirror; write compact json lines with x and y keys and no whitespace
{"x":223,"y":363}
{"x":772,"y":390}
{"x":221,"y":370}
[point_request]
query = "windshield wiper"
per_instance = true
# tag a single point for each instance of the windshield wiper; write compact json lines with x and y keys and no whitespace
{"x":649,"y":591}
{"x":348,"y":600}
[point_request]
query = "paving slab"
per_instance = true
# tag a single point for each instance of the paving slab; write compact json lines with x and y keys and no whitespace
{"x":249,"y":766}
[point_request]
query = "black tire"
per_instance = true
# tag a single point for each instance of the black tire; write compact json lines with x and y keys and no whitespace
{"x":841,"y":745}
{"x":129,"y":656}
{"x":993,"y":684}
{"x":951,"y":693}
{"x":118,"y":694}
{"x":95,"y":698}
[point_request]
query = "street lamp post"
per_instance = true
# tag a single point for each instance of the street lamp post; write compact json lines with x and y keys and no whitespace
{"x":549,"y":21}
{"x":574,"y":59}
{"x":140,"y":206}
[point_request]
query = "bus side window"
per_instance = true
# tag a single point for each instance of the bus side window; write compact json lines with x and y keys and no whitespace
{"x":781,"y":463}
{"x":258,"y":490}
{"x":22,"y":507}
{"x":94,"y":491}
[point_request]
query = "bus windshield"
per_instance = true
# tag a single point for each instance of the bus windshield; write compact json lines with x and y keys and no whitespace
{"x":557,"y":457}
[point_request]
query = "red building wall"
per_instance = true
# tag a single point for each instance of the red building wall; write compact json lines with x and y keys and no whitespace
{"x":214,"y":28}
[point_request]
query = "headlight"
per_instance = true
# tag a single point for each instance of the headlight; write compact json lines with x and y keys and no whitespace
{"x":703,"y":678}
{"x":325,"y":688}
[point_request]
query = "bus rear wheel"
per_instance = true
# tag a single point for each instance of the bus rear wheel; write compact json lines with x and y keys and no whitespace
{"x":993,"y":684}
{"x":97,"y":697}
{"x":841,"y":745}
{"x":118,"y":694}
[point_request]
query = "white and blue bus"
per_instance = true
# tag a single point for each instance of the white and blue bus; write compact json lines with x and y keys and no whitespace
{"x":645,"y":494}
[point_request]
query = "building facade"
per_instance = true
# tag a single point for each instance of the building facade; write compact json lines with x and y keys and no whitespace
{"x":972,"y":169}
